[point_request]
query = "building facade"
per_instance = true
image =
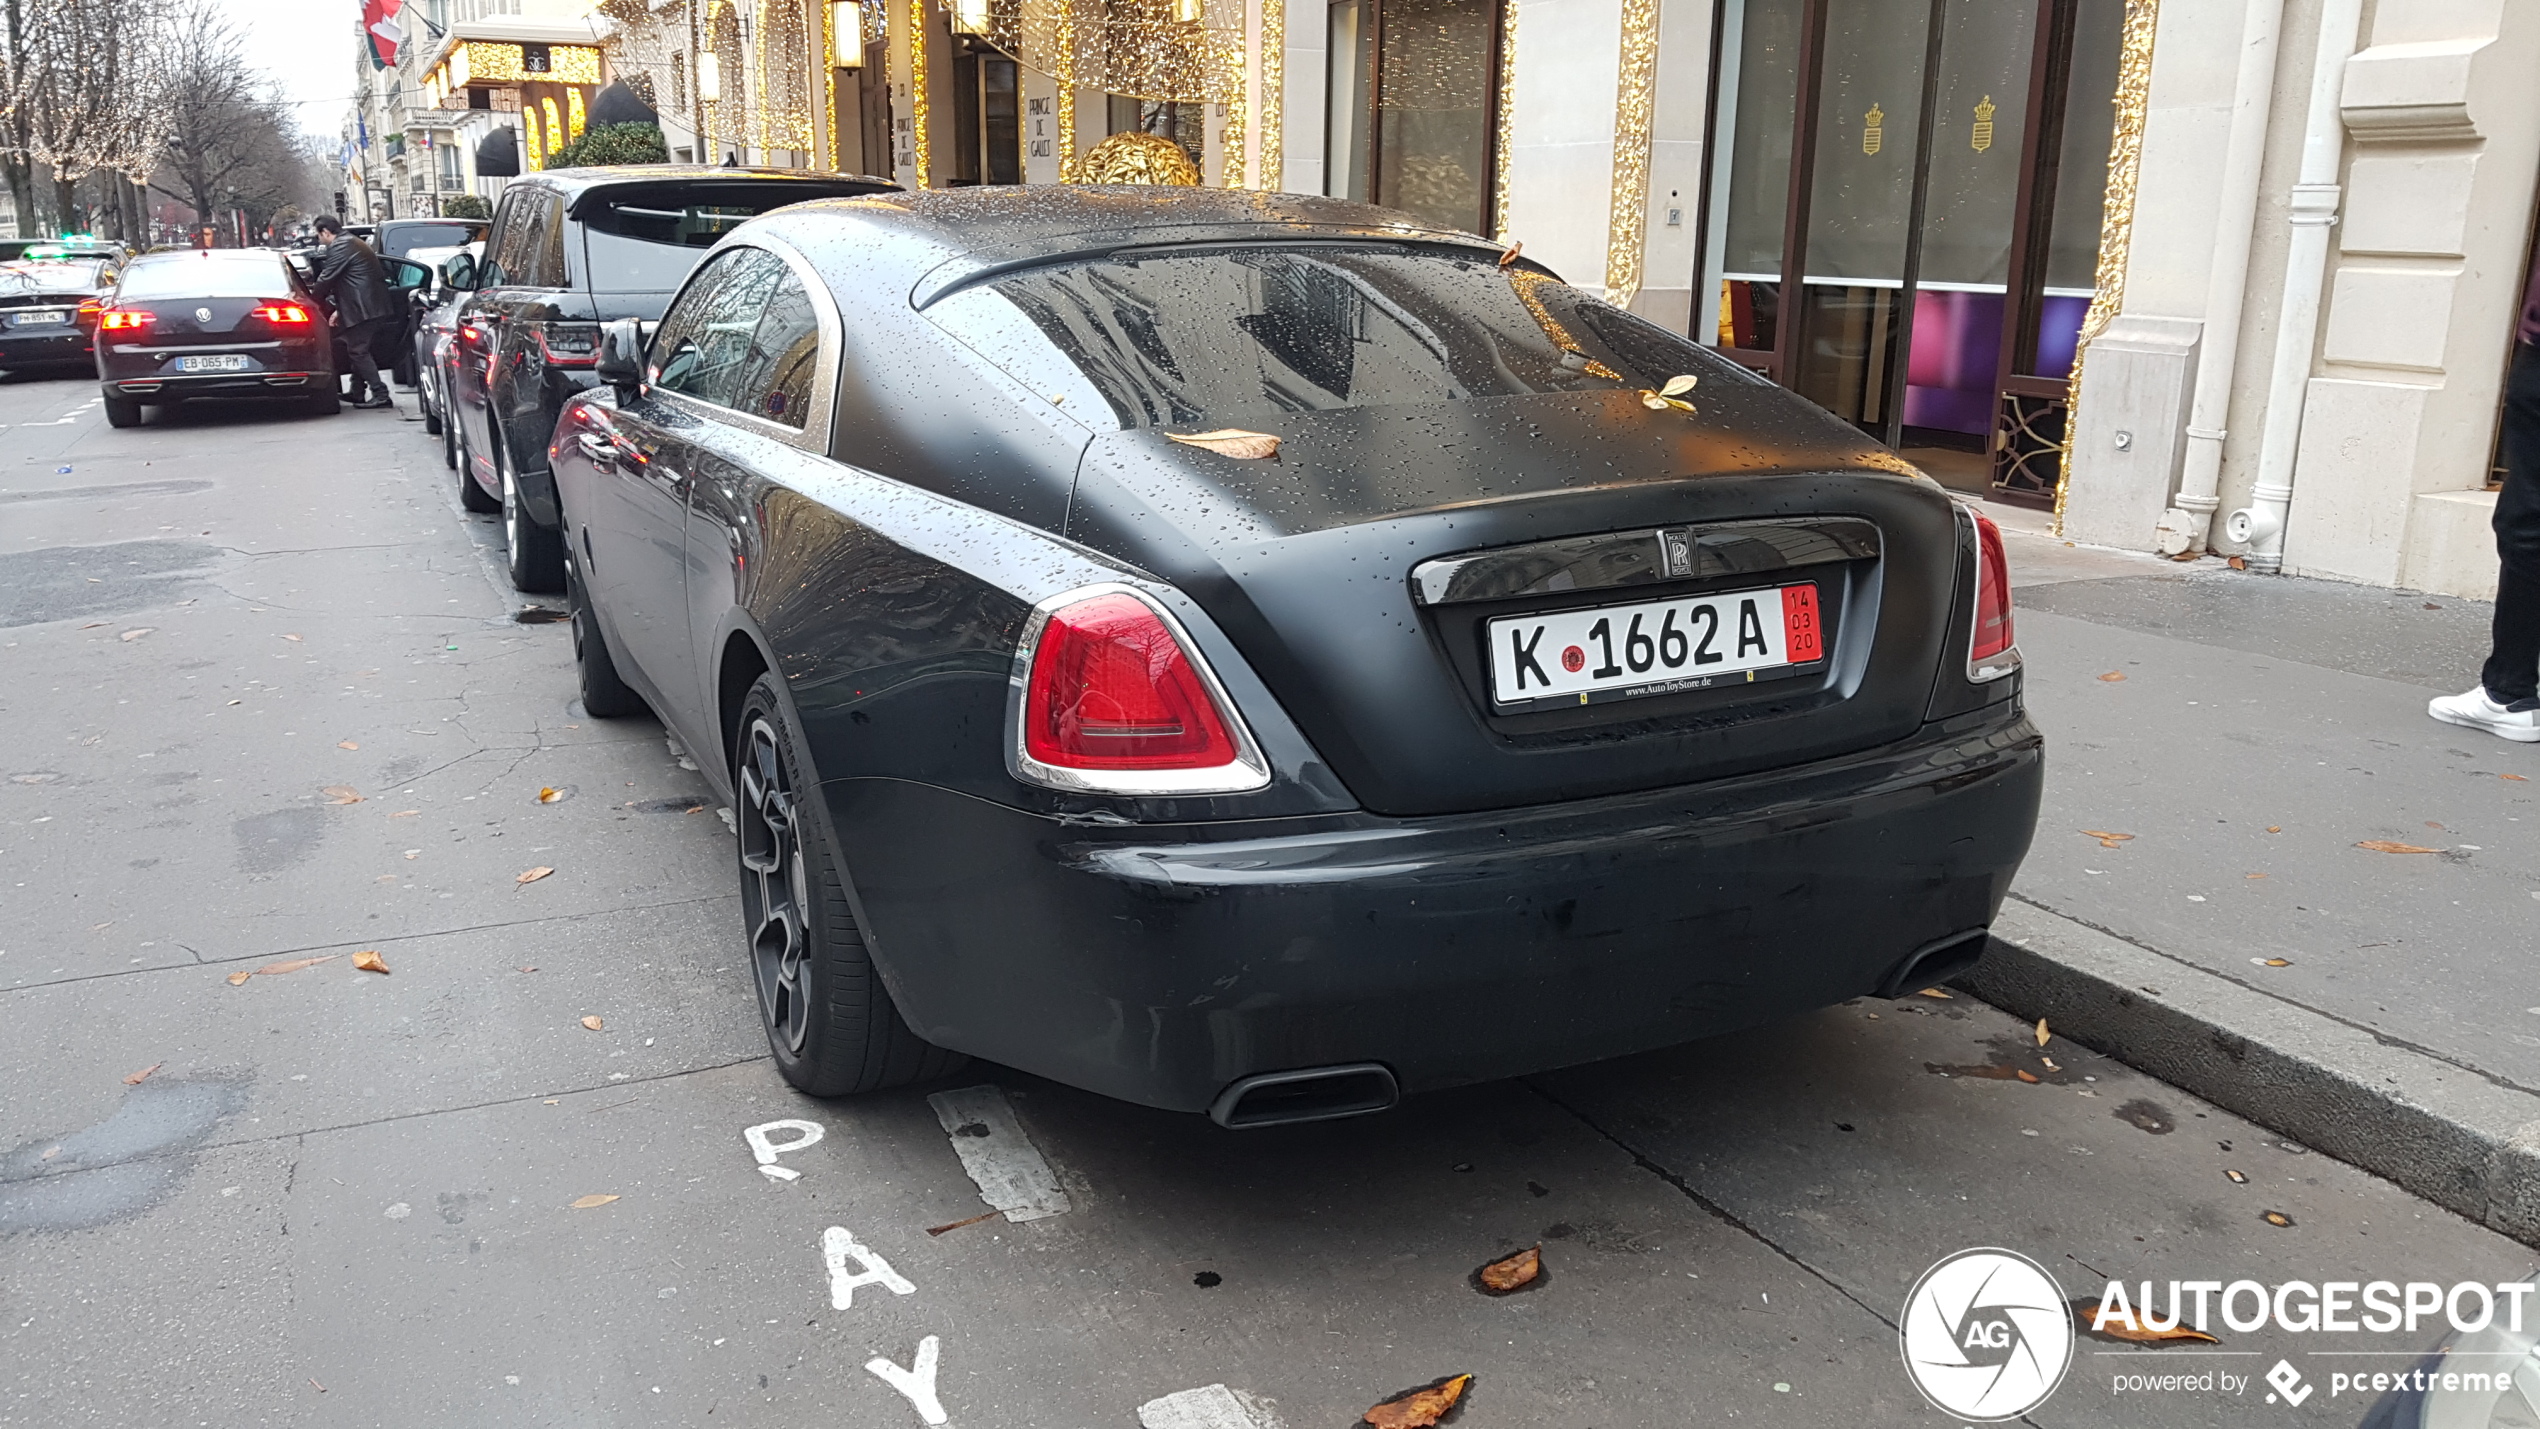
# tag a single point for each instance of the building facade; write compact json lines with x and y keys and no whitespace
{"x":2237,"y":276}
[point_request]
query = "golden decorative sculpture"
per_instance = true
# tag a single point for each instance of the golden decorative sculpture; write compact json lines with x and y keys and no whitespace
{"x":2116,"y":218}
{"x":1135,"y":158}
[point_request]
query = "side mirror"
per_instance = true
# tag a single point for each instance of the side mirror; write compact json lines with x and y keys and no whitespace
{"x":621,"y":362}
{"x":458,"y":273}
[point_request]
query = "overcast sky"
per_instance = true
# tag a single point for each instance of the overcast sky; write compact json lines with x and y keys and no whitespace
{"x":307,"y":46}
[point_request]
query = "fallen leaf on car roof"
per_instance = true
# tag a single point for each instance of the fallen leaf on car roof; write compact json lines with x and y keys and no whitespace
{"x":1510,"y":256}
{"x":239,"y":978}
{"x":2277,"y":1218}
{"x":1511,"y":1273}
{"x":1231,"y":441}
{"x":2107,"y":839}
{"x":1934,"y":992}
{"x":346,"y":744}
{"x":340,"y":794}
{"x":594,"y":1023}
{"x":369,"y":961}
{"x":294,"y":965}
{"x":2112,"y":677}
{"x":1420,"y":1408}
{"x":2042,"y":1033}
{"x":956,"y":1225}
{"x":2392,"y":846}
{"x":136,"y":634}
{"x":2086,"y":1320}
{"x":533,"y":875}
{"x":143,"y":1075}
{"x":584,"y":1203}
{"x":550,"y":796}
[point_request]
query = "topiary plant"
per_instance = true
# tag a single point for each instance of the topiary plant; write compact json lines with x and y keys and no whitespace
{"x":636,"y":143}
{"x":466,"y":206}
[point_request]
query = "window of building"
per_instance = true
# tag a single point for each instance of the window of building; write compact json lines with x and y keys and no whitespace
{"x":987,"y":115}
{"x":1412,"y":106}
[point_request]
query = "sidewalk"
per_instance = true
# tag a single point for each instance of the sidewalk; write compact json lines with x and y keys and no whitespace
{"x":2262,"y":729}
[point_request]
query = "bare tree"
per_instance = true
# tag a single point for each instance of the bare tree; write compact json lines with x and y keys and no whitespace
{"x":222,"y":140}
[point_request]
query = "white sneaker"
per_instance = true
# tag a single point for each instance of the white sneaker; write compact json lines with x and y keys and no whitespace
{"x":2519,"y":721}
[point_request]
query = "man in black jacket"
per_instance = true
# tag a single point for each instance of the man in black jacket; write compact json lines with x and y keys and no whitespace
{"x":351,"y":281}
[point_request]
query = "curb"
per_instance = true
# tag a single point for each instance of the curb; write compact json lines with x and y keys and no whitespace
{"x":2442,"y":1131}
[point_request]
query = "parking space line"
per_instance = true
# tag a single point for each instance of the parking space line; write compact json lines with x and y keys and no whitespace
{"x":1012,"y":1174}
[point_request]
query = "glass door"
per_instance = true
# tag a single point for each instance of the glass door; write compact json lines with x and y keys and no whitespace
{"x":1886,"y":231}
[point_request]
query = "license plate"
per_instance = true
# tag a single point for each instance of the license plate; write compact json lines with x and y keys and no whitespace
{"x":40,"y":319}
{"x":231,"y":363}
{"x":1658,"y":647}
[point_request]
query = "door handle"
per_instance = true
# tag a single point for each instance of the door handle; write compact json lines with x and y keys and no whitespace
{"x":602,"y":451}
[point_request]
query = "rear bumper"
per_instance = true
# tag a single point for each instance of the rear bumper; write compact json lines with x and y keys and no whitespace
{"x":218,"y":384}
{"x":43,"y":344}
{"x":1158,"y":964}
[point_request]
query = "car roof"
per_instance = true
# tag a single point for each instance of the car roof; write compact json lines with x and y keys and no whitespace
{"x":575,"y":182}
{"x":943,"y":240}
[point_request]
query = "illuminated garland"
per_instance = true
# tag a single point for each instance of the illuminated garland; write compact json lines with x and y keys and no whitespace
{"x":1506,"y":141}
{"x":1274,"y":80}
{"x":920,"y":148}
{"x":1627,"y":216}
{"x":2116,"y":218}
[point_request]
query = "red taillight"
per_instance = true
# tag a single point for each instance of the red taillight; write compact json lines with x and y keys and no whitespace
{"x":1991,"y":651}
{"x":287,"y":314}
{"x":569,"y":344}
{"x":1110,"y":688}
{"x":118,"y":319}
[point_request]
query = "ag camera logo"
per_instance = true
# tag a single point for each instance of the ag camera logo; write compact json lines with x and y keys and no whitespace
{"x":1986,"y":1335}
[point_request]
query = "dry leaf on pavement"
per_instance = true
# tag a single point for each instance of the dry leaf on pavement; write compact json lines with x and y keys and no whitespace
{"x":143,"y":1075}
{"x":533,"y":875}
{"x":2113,"y":676}
{"x":1511,"y":1273}
{"x":2275,"y":828}
{"x":239,"y":978}
{"x":584,"y":1203}
{"x":130,"y":635}
{"x":293,"y":638}
{"x":594,"y":1023}
{"x":369,"y":961}
{"x":956,"y":1225}
{"x":346,"y":744}
{"x":2107,"y":839}
{"x":549,"y":796}
{"x":1421,"y":1407}
{"x":405,"y":813}
{"x":340,"y":794}
{"x":2273,"y":962}
{"x":2277,"y":1218}
{"x":2042,"y":1033}
{"x":2517,"y":778}
{"x":2392,"y":846}
{"x":2025,"y":1075}
{"x":1231,"y":441}
{"x":2237,"y":1178}
{"x":2086,"y":1316}
{"x":1933,"y":992}
{"x":2240,"y":563}
{"x":293,"y":966}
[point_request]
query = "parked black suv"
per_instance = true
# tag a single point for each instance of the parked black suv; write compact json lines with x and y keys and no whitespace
{"x":571,"y":249}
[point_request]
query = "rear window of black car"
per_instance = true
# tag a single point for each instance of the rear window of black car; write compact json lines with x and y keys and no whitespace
{"x":643,"y":240}
{"x":404,"y":238}
{"x":1219,"y":334}
{"x":206,"y":275}
{"x":50,"y":277}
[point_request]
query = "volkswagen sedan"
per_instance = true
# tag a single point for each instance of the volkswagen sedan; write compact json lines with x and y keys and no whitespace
{"x":1261,"y":655}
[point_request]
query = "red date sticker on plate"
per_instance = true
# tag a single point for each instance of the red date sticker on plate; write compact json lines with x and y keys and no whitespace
{"x":1799,"y":623}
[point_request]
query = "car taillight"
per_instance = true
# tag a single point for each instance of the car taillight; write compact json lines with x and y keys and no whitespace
{"x":286,"y":314}
{"x":1114,"y":701}
{"x":1991,"y":650}
{"x":569,"y":344}
{"x":115,"y":319}
{"x":90,"y":309}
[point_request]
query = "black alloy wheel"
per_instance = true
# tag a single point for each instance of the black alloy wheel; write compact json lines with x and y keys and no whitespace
{"x":534,"y":553}
{"x":830,"y":1022}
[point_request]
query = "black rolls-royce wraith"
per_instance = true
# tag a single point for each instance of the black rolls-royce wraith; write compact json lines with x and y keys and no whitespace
{"x":1262,"y":655}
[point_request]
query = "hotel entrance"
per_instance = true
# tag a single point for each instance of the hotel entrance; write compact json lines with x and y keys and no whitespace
{"x":1951,"y":150}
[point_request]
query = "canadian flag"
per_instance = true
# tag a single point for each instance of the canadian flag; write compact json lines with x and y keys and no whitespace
{"x":379,"y":19}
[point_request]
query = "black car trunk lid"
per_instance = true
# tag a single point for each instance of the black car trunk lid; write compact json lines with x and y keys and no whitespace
{"x":1361,"y":571}
{"x":199,"y":322}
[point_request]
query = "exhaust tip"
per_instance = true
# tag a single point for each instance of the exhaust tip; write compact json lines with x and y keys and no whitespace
{"x":1935,"y":963}
{"x":1314,"y":1094}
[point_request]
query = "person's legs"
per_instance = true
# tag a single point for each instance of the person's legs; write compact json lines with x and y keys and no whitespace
{"x":366,"y":378}
{"x":2513,"y":666}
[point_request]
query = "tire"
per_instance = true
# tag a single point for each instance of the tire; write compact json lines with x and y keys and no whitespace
{"x":404,"y":372}
{"x":431,"y":410}
{"x":605,"y":695}
{"x":534,"y":554}
{"x":829,"y":1020}
{"x":324,"y":402}
{"x":122,"y":412}
{"x":450,"y":451}
{"x":472,"y":493}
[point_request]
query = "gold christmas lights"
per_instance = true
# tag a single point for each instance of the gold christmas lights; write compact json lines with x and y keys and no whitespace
{"x":1627,"y":217}
{"x":1274,"y":82}
{"x":920,"y":146}
{"x":1506,"y":139}
{"x":2116,"y":218}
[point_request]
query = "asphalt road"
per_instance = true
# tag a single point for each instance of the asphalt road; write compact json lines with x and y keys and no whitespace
{"x":266,"y":702}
